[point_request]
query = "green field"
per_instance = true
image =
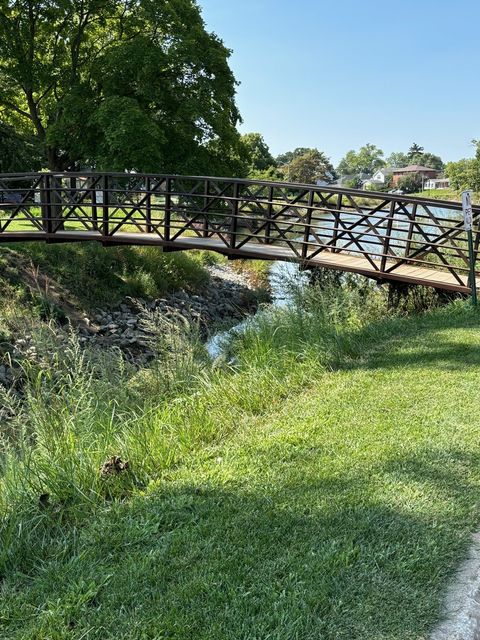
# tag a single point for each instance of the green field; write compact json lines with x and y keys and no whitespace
{"x":326,"y":487}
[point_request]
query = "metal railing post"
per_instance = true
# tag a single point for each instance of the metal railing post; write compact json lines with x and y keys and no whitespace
{"x":206,"y":191}
{"x":410,"y":230}
{"x":148,"y":205}
{"x":268,"y":226}
{"x":45,"y":204}
{"x":308,"y":224}
{"x":234,"y":218}
{"x":388,"y":232}
{"x":168,"y":210}
{"x":105,"y":205}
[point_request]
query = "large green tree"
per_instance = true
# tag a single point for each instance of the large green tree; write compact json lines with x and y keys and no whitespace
{"x":366,"y":161}
{"x":415,"y":155}
{"x":465,"y":174}
{"x":257,"y":152}
{"x":310,"y":167}
{"x":288,"y":156}
{"x":118,"y":84}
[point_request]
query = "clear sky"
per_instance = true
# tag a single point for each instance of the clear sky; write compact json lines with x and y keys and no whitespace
{"x":335,"y":75}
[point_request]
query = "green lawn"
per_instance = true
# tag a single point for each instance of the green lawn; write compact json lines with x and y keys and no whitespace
{"x":333,"y":499}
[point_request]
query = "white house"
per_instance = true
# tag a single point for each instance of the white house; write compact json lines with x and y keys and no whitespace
{"x":437,"y":183}
{"x":379,"y":178}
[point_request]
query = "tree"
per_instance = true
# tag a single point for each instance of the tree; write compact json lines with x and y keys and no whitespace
{"x":411,"y":183}
{"x":310,"y":167}
{"x":415,"y":150}
{"x":423,"y":158}
{"x":288,"y":156}
{"x":366,"y":161}
{"x":397,"y":160}
{"x":117,"y":84}
{"x":270,"y":174}
{"x":465,"y":174}
{"x":18,"y":152}
{"x":428,"y":160}
{"x":257,"y":152}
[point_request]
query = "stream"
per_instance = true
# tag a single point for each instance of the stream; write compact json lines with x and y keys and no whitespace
{"x":281,"y":277}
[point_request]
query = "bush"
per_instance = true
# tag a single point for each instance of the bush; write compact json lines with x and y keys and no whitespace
{"x":411,"y":183}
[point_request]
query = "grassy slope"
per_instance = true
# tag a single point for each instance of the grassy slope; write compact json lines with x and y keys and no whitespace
{"x":333,"y":512}
{"x":445,"y":194}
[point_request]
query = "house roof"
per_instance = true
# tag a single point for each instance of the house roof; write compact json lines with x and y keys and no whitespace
{"x":413,"y":168}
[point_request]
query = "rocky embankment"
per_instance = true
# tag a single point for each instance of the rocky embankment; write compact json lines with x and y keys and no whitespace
{"x":227,"y":298}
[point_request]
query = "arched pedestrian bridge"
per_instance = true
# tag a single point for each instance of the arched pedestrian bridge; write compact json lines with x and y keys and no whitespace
{"x":383,"y":236}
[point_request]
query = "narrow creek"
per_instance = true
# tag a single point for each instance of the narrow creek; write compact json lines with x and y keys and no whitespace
{"x":281,"y":277}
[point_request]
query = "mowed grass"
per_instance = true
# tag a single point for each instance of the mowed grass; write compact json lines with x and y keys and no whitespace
{"x":325,"y":489}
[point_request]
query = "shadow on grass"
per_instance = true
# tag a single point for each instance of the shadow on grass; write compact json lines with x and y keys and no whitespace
{"x":314,"y":555}
{"x":420,"y":341}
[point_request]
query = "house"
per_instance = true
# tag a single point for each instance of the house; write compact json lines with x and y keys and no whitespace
{"x":413,"y":169}
{"x":347,"y":182}
{"x":438,"y":183}
{"x":379,"y":179}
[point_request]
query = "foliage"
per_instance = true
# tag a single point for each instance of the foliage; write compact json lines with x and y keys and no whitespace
{"x":288,"y":156}
{"x":18,"y":152}
{"x":258,"y":153}
{"x":137,"y":271}
{"x":117,"y":85}
{"x":365,"y":161}
{"x":397,"y":160}
{"x":415,"y":155}
{"x":310,"y":167}
{"x":428,"y":160}
{"x":415,"y":150}
{"x":270,"y":174}
{"x":410,"y":183}
{"x":465,"y":174}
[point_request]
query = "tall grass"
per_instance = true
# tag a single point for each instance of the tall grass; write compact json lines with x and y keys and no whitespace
{"x":79,"y":407}
{"x":98,"y":276}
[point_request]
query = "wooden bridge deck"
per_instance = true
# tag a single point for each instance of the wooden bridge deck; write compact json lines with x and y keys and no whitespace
{"x":409,"y":274}
{"x":387,"y":237}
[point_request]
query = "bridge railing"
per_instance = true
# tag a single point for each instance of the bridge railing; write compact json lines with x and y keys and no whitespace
{"x":385,"y":231}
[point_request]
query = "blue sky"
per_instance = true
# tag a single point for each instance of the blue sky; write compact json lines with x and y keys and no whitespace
{"x":335,"y":75}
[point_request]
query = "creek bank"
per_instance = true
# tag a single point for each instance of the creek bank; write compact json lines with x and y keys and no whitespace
{"x":224,"y":301}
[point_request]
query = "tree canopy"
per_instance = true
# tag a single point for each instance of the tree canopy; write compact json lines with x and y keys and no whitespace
{"x":310,"y":167}
{"x":288,"y":156}
{"x":366,"y":161}
{"x":415,"y":155}
{"x":414,"y":150}
{"x":117,"y":84}
{"x":257,"y":152}
{"x":465,"y":174}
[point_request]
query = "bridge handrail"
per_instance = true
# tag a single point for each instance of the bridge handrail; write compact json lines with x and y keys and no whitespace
{"x":359,"y":193}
